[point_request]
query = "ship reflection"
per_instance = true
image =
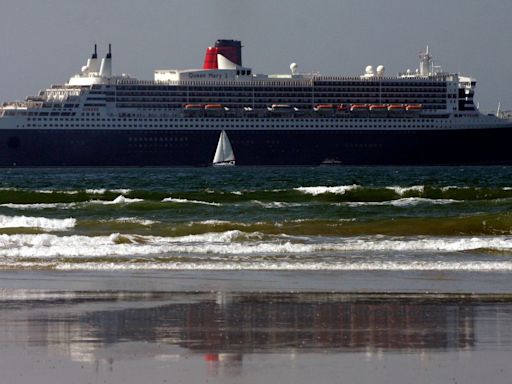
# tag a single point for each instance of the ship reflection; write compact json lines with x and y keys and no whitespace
{"x":224,"y":327}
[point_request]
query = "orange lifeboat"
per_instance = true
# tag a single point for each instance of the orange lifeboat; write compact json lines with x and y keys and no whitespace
{"x":214,"y":109}
{"x":378,"y":108}
{"x":414,"y":107}
{"x":194,"y":106}
{"x":213,"y":106}
{"x":359,"y":107}
{"x":324,"y":107}
{"x":343,"y":108}
{"x":396,"y":108}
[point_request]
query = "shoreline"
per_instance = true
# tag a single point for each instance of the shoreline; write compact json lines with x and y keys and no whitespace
{"x":358,"y":282}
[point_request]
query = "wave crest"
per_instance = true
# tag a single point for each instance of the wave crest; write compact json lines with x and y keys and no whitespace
{"x":36,"y":222}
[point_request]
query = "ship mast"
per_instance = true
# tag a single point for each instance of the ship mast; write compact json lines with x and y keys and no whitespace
{"x":426,"y":63}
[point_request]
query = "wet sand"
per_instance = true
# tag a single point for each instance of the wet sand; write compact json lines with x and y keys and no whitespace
{"x":92,"y":328}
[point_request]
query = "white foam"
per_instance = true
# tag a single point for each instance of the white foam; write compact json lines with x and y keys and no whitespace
{"x":275,"y":204}
{"x":450,"y":187}
{"x":214,"y":222}
{"x":439,"y":244}
{"x":402,"y":190}
{"x":320,"y":190}
{"x":50,"y":191}
{"x":118,"y":200}
{"x":403,"y":202}
{"x":232,"y":244}
{"x":135,"y":220}
{"x":503,"y":266}
{"x":211,"y":222}
{"x":50,"y":246}
{"x":185,"y":201}
{"x":101,"y":191}
{"x":36,"y":222}
{"x":97,"y":191}
{"x":33,"y":206}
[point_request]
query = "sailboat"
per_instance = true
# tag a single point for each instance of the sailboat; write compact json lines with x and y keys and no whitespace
{"x":224,"y":155}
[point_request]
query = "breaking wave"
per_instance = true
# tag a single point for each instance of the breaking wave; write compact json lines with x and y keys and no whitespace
{"x":37,"y":222}
{"x":185,"y":201}
{"x":118,"y":200}
{"x":320,"y":190}
{"x":252,"y":251}
{"x":232,"y":243}
{"x":26,"y":198}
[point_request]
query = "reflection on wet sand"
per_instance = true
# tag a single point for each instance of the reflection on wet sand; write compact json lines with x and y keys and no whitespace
{"x":224,"y":327}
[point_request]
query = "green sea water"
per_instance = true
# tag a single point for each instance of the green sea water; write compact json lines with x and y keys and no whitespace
{"x":321,"y":218}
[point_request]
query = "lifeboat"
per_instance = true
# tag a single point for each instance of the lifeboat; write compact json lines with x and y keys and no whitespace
{"x":194,"y":106}
{"x":359,"y":108}
{"x":378,"y":108}
{"x":413,"y":107}
{"x":213,"y":106}
{"x":194,"y":109}
{"x":325,"y":109}
{"x":396,"y":108}
{"x":214,"y":109}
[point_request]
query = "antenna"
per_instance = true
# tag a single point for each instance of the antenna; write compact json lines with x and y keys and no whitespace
{"x":95,"y":54}
{"x":498,"y":111}
{"x":109,"y":54}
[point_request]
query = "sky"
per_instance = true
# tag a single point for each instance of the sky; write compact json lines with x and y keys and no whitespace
{"x":45,"y":42}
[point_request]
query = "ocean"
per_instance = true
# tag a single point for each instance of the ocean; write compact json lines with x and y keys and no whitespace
{"x":273,"y":219}
{"x":256,"y":275}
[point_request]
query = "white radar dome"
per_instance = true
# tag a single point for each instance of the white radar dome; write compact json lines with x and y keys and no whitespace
{"x":380,"y":70}
{"x":369,"y":70}
{"x":294,"y":68}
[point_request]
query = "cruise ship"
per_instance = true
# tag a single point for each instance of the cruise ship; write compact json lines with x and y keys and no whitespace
{"x":226,"y":114}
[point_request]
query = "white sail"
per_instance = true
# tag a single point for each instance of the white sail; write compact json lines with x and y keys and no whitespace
{"x":224,"y":154}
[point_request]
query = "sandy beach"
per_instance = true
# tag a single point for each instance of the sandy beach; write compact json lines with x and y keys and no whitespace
{"x":92,"y":328}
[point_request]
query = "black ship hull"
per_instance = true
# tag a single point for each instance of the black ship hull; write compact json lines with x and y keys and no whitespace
{"x":71,"y":147}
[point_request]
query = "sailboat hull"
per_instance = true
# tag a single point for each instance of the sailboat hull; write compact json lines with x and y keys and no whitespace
{"x":224,"y":164}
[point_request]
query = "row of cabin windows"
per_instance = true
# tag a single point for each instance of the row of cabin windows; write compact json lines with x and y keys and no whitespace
{"x":229,"y":120}
{"x":294,"y":91}
{"x":272,"y":125}
{"x":280,"y":86}
{"x":269,"y":97}
{"x":288,"y":100}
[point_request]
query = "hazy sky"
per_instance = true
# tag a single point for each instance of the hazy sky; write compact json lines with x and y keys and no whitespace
{"x":46,"y":41}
